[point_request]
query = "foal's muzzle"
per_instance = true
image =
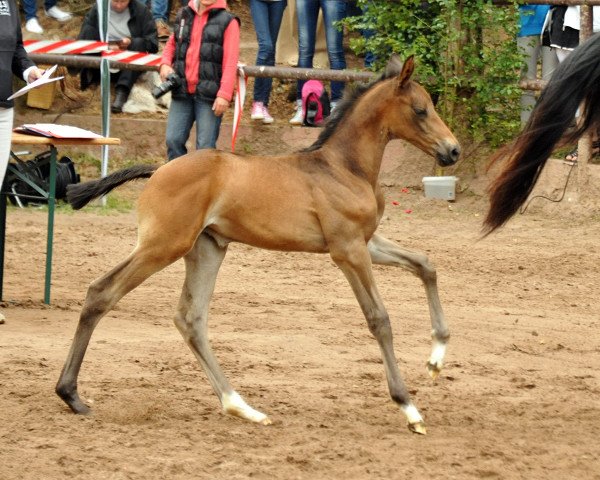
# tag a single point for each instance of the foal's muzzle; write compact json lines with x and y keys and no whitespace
{"x":448,"y":153}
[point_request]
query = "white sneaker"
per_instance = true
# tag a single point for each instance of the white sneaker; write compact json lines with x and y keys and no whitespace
{"x":58,"y":14}
{"x":298,"y":118}
{"x":332,"y":106}
{"x":32,"y":25}
{"x":267,"y":118}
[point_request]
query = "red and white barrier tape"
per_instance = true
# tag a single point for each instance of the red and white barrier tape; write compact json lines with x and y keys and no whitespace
{"x":136,"y":58}
{"x":71,"y":47}
{"x":238,"y":108}
{"x":76,"y":47}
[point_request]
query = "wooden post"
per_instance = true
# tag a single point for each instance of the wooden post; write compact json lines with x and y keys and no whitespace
{"x":584,"y":146}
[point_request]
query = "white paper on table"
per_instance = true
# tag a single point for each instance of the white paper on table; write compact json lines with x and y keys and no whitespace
{"x":44,"y":79}
{"x":56,"y":131}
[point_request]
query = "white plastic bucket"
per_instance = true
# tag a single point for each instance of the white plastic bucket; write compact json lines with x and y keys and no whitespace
{"x":440,"y":187}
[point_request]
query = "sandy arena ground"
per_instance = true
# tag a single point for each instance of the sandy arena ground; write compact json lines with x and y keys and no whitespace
{"x":519,"y":397}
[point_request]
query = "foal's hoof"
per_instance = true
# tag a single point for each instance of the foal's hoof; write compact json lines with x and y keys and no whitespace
{"x":235,"y":405}
{"x":249,"y":414}
{"x":418,"y":427}
{"x":434,"y":369}
{"x":266,"y":421}
{"x":74,"y":402}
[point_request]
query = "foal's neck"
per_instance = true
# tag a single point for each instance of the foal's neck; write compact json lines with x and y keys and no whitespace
{"x":361,"y":137}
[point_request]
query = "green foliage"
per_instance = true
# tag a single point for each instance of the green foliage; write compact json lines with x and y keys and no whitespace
{"x":466,"y":54}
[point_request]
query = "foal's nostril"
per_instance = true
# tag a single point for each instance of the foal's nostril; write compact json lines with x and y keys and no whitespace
{"x":448,"y":154}
{"x":455,"y":153}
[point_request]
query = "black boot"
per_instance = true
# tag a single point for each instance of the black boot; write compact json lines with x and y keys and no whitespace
{"x":121,"y":95}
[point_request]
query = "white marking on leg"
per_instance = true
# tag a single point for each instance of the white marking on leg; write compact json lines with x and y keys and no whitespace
{"x":412,"y":414}
{"x":438,"y":352}
{"x":234,"y":404}
{"x":415,"y":421}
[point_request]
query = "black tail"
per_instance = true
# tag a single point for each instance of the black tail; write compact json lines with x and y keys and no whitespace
{"x":80,"y":194}
{"x":575,"y":83}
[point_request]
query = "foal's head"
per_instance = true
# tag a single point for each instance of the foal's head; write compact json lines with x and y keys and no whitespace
{"x":400,"y":108}
{"x":408,"y":113}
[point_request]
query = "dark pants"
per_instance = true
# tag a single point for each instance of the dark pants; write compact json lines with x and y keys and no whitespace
{"x":122,"y":79}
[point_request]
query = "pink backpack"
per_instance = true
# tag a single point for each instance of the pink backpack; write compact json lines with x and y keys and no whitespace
{"x":315,"y":103}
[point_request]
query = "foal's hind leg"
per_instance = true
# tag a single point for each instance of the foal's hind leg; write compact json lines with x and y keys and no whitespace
{"x":353,"y":259}
{"x":202,"y":264}
{"x":102,"y":295}
{"x":386,"y":252}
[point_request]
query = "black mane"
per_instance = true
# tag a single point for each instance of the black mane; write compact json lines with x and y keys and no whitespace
{"x":351,"y":96}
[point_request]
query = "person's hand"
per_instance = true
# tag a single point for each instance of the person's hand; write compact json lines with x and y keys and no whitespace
{"x":34,"y":74}
{"x":124,"y":43}
{"x":220,"y":106}
{"x":164,"y":71}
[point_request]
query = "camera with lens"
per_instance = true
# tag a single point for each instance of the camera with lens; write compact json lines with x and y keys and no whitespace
{"x":173,"y":81}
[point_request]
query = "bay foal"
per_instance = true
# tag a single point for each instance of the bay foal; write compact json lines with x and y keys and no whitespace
{"x":325,"y":199}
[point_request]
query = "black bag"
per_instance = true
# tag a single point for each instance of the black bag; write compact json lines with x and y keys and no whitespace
{"x":37,"y":172}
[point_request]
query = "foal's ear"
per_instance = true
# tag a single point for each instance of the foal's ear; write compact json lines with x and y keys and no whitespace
{"x":407,"y":70}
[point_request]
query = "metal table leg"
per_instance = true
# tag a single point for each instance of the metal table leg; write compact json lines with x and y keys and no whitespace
{"x":51,"y":204}
{"x":2,"y":237}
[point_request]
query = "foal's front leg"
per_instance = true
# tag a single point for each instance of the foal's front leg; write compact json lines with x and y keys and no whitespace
{"x":202,"y":264}
{"x":355,"y":262}
{"x":386,"y":252}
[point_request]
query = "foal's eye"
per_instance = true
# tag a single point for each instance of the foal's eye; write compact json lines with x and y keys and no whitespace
{"x":420,"y":112}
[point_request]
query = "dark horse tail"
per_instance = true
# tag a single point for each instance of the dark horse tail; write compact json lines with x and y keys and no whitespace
{"x":575,"y":83}
{"x":80,"y":194}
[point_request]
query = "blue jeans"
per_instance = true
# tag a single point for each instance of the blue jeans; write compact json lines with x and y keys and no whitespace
{"x":183,"y":112}
{"x":355,"y":11}
{"x":30,"y":7}
{"x":308,"y":12}
{"x":267,"y":20}
{"x":160,"y":10}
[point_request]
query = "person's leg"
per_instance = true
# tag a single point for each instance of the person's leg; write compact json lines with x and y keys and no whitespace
{"x":307,"y":12}
{"x":126,"y":80}
{"x":160,"y":13}
{"x":276,"y":10}
{"x":549,"y":62}
{"x":160,"y":10}
{"x":334,"y":11}
{"x":370,"y":57}
{"x":207,"y":125}
{"x":54,"y":12}
{"x":530,"y":47}
{"x":30,"y":9}
{"x":562,"y":54}
{"x":266,"y":48}
{"x":6,"y":126}
{"x":179,"y":124}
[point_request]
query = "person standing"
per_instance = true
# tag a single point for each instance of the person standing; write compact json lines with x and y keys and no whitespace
{"x":531,"y":20}
{"x":13,"y":61}
{"x":130,"y":27}
{"x":561,"y":33}
{"x":308,"y":12}
{"x":203,"y":53}
{"x":267,"y":16}
{"x":32,"y":24}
